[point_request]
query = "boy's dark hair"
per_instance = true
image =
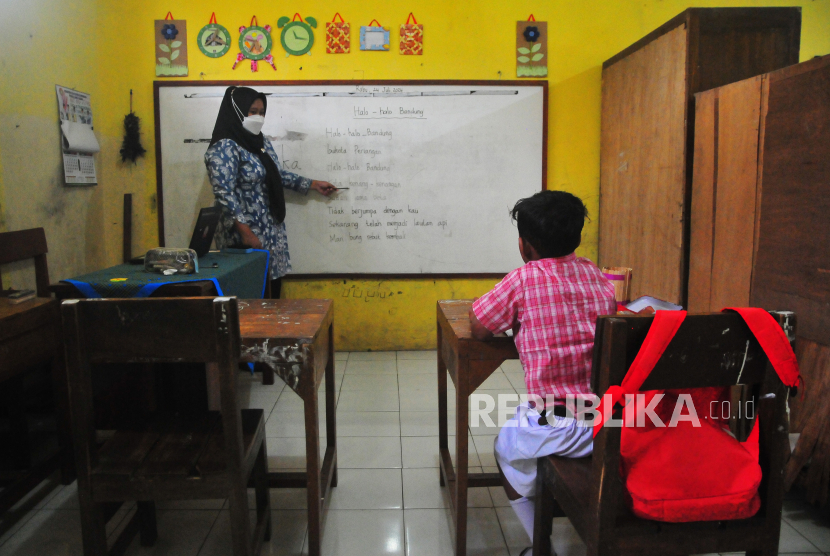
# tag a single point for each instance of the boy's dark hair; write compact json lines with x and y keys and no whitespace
{"x":551,"y":221}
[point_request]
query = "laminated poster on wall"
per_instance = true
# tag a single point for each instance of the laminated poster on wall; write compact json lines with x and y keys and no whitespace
{"x":374,"y":37}
{"x":412,"y":37}
{"x":255,"y":44}
{"x":171,"y":47}
{"x":297,"y":36}
{"x":531,"y":48}
{"x":78,"y":141}
{"x":338,"y":36}
{"x":213,"y":39}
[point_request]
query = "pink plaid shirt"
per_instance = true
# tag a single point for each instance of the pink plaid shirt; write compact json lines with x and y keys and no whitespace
{"x":556,"y":302}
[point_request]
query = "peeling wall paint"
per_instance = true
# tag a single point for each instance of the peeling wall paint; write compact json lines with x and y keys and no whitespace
{"x":287,"y":361}
{"x":41,"y":45}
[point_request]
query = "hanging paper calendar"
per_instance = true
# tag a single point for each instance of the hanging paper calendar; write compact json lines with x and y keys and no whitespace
{"x":412,"y":37}
{"x":171,"y":47}
{"x":338,"y":36}
{"x":531,"y":48}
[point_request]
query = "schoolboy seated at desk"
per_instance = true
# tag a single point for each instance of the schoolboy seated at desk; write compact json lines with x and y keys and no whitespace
{"x":552,"y":304}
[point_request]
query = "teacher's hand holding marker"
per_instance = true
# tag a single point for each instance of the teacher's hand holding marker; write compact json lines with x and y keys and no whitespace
{"x":323,"y":187}
{"x":248,"y":181}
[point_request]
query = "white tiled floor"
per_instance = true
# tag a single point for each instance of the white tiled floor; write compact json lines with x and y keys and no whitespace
{"x":388,"y":500}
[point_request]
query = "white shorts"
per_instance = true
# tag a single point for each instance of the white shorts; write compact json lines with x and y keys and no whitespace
{"x":522,"y":440}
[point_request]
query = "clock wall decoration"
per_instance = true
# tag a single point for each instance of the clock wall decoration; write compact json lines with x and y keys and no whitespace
{"x":213,"y":39}
{"x":255,"y":44}
{"x":297,"y":37}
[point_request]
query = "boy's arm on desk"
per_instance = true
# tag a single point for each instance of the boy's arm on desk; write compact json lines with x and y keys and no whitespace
{"x":478,"y":330}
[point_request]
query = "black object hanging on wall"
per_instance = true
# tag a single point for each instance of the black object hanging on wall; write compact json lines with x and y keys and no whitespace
{"x":131,"y":148}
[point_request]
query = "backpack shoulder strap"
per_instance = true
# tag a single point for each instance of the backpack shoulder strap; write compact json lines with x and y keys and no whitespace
{"x":773,"y":341}
{"x":663,"y":329}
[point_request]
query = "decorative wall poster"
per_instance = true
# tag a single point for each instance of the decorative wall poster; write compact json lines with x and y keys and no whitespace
{"x":213,"y":39}
{"x":297,"y":38}
{"x":77,"y":139}
{"x":171,"y":47}
{"x":338,"y":36}
{"x":412,"y":37}
{"x":255,"y":44}
{"x":374,"y":37}
{"x":532,"y":48}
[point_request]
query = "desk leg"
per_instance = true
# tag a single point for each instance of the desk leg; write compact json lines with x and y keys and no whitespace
{"x":312,"y":454}
{"x":461,"y":458}
{"x":442,"y":406}
{"x":213,"y":390}
{"x":60,"y":390}
{"x":331,"y":418}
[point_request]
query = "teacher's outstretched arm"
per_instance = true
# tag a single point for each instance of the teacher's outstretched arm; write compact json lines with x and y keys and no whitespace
{"x":323,"y":187}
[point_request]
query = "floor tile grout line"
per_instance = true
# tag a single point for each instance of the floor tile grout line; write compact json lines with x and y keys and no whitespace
{"x":212,"y":525}
{"x":400,"y":443}
{"x":501,"y":526}
{"x":803,"y":537}
{"x":31,"y":514}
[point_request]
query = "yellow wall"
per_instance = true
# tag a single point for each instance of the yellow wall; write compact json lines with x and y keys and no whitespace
{"x":463,"y":40}
{"x":44,"y":43}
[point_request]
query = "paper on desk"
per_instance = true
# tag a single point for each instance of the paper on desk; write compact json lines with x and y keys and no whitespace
{"x":657,"y":304}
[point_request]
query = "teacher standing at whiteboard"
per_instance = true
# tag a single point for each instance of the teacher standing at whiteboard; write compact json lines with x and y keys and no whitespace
{"x":248,"y":181}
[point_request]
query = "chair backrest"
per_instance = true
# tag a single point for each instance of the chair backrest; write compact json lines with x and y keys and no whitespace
{"x":179,"y":329}
{"x":715,"y":349}
{"x":23,"y":245}
{"x":149,"y":330}
{"x":708,"y":350}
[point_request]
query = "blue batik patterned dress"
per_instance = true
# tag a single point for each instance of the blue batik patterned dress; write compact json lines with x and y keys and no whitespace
{"x":238,"y":180}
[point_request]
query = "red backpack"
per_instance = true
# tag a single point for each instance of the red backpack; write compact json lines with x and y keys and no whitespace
{"x":687,"y":473}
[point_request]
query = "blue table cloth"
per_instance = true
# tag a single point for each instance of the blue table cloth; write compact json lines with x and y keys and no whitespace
{"x":240,"y":275}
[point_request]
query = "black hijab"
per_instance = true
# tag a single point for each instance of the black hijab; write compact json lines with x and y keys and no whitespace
{"x":229,"y":126}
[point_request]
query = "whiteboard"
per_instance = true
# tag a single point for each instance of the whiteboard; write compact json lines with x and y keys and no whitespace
{"x":430,"y":170}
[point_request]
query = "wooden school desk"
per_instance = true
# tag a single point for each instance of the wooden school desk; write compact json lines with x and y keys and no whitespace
{"x":30,"y":335}
{"x":469,"y":363}
{"x":296,"y":338}
{"x":241,"y":284}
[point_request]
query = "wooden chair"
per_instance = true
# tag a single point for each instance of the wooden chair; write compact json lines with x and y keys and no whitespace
{"x":30,"y":338}
{"x":23,"y":245}
{"x":172,"y":456}
{"x":589,"y":490}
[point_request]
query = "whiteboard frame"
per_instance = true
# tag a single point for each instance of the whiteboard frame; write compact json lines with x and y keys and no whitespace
{"x":254,"y":83}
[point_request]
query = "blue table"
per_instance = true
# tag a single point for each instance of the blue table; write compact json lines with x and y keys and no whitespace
{"x":242,"y":275}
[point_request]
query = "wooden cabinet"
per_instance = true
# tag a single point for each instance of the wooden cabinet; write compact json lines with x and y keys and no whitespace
{"x":760,"y":232}
{"x":724,"y":195}
{"x":646,"y":144}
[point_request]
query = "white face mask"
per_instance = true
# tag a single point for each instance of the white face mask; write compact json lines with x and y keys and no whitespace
{"x":251,"y":124}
